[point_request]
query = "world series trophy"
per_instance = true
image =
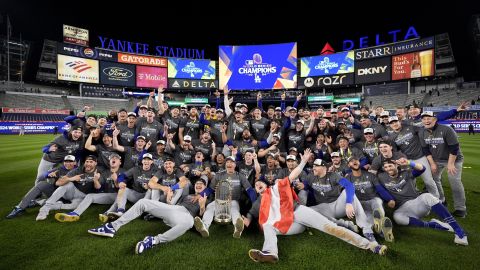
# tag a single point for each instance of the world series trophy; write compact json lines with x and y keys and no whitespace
{"x":223,"y":201}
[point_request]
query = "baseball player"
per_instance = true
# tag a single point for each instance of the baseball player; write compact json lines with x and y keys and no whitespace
{"x":108,"y":194}
{"x":66,"y":144}
{"x":74,"y":187}
{"x":333,"y":202}
{"x":237,"y":181}
{"x":45,"y":186}
{"x":407,"y":140}
{"x":137,"y":178}
{"x":294,"y":218}
{"x":441,"y":144}
{"x":179,"y":217}
{"x":127,"y":131}
{"x":411,"y":206}
{"x":366,"y":188}
{"x":104,"y":150}
{"x":132,"y":154}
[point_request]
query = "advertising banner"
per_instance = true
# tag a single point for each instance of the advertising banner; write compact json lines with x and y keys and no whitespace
{"x":462,"y":125}
{"x":86,"y":52}
{"x":326,"y":81}
{"x":77,"y":69}
{"x":331,"y":64}
{"x":117,"y":74}
{"x":151,"y":77}
{"x":373,"y":52}
{"x":258,"y":67}
{"x":374,"y":70}
{"x":75,"y":35}
{"x":142,"y":60}
{"x":412,"y":65}
{"x":192,"y":84}
{"x":191,"y":69}
{"x":319,"y":98}
{"x":196,"y":100}
{"x":35,"y":111}
{"x":386,"y":89}
{"x":32,"y":127}
{"x":413,"y":45}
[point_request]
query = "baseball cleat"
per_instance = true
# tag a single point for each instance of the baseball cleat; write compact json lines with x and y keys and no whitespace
{"x":445,"y":226}
{"x":41,"y":216}
{"x":379,"y":249}
{"x":377,"y":220}
{"x":67,"y":217}
{"x":112,"y":216}
{"x":239,"y":226}
{"x":16,"y":212}
{"x":370,"y":237}
{"x":143,"y":245}
{"x":103,"y":218}
{"x":262,"y":256}
{"x":387,"y":229}
{"x":460,"y":213}
{"x":461,"y":240}
{"x":106,"y":230}
{"x":200,"y":227}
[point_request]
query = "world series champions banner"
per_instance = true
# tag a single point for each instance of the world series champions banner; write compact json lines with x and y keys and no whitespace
{"x":191,"y":69}
{"x":331,"y":64}
{"x":258,"y":67}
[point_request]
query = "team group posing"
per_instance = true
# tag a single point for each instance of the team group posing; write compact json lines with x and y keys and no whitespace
{"x":287,"y":169}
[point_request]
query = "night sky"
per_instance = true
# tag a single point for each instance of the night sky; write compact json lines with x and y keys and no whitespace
{"x":181,"y":24}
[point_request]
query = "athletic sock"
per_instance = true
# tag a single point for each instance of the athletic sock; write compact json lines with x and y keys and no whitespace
{"x":443,"y":213}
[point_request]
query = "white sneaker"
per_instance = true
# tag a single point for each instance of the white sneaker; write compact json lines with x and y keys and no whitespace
{"x":41,"y":216}
{"x":443,"y":224}
{"x":461,"y":241}
{"x":200,"y":227}
{"x":239,"y":226}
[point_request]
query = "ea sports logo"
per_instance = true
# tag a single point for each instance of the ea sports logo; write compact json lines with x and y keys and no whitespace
{"x":308,"y":82}
{"x":88,"y":52}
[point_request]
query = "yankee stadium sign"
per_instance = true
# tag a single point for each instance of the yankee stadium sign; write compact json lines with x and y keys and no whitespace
{"x":145,"y":48}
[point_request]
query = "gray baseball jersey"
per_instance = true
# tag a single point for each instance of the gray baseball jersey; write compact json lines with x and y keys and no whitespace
{"x":65,"y":146}
{"x":107,"y":182}
{"x":438,"y":140}
{"x":377,"y":163}
{"x":126,"y":135}
{"x":408,"y":142}
{"x":138,"y":177}
{"x":237,"y":181}
{"x":85,"y":184}
{"x":326,"y":189}
{"x":168,"y":180}
{"x":402,"y":187}
{"x":364,"y":185}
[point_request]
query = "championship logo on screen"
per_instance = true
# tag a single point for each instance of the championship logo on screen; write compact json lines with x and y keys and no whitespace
{"x":326,"y":65}
{"x":192,"y":69}
{"x":255,"y":68}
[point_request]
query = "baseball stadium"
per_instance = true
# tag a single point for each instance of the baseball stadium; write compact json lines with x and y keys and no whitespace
{"x":195,"y":144}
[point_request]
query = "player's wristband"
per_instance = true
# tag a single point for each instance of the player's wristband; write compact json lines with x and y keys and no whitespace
{"x":412,"y":164}
{"x":175,"y":187}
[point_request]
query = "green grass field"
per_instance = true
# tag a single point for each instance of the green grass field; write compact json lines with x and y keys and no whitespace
{"x":28,"y":244}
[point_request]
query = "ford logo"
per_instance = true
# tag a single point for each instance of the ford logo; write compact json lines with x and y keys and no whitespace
{"x":88,"y":52}
{"x":117,"y":73}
